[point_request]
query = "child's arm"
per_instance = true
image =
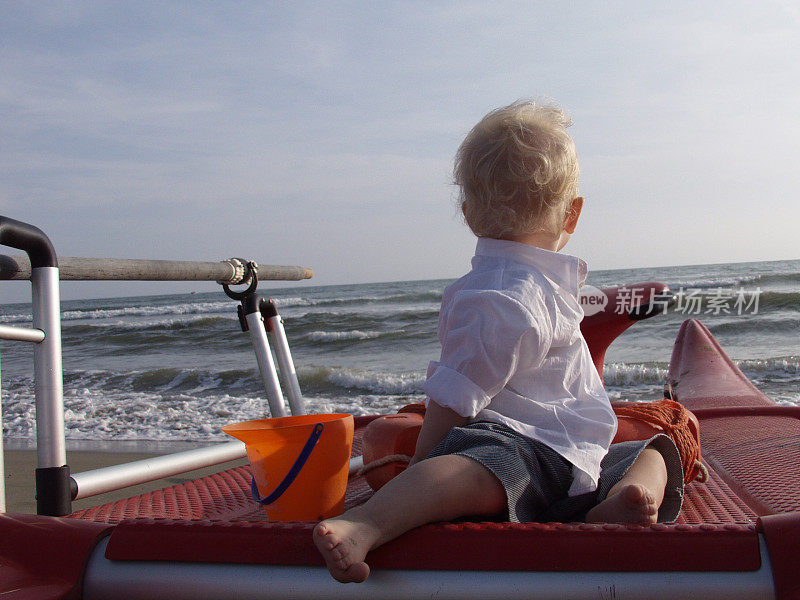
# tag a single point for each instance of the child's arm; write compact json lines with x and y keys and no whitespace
{"x":438,"y":422}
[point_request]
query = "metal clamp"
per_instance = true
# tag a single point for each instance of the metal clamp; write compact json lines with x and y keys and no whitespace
{"x":251,"y":275}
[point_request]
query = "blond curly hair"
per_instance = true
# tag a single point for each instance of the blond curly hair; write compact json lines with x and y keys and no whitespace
{"x":517,"y":171}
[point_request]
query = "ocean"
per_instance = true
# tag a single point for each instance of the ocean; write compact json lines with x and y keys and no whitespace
{"x":178,"y":367}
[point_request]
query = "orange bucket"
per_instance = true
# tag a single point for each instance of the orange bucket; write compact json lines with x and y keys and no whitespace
{"x":300,"y":464}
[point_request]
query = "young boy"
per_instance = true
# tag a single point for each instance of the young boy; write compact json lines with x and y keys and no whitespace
{"x":517,"y":420}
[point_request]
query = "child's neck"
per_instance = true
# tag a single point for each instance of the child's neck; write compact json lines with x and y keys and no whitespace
{"x":542,"y":239}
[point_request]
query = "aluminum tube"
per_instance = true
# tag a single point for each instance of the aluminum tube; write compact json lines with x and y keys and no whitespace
{"x":258,"y":335}
{"x":107,"y":479}
{"x":286,"y":364}
{"x":49,"y":382}
{"x":21,"y":334}
{"x":144,"y":580}
{"x":106,"y":269}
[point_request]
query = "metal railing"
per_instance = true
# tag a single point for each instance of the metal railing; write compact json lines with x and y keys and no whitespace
{"x":231,"y":271}
{"x":55,"y":486}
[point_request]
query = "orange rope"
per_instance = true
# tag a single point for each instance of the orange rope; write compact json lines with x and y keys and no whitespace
{"x":673,"y":419}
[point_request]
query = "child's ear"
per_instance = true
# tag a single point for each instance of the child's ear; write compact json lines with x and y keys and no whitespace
{"x":573,"y":215}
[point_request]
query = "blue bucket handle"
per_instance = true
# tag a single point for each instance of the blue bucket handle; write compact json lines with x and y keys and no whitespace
{"x":293,"y":472}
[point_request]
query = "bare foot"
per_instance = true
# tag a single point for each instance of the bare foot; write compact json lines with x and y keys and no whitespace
{"x":344,"y":545}
{"x":632,"y":504}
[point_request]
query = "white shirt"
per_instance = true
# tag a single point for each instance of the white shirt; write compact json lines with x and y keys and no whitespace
{"x":513,"y":353}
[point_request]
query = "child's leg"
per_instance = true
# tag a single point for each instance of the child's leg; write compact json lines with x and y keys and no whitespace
{"x":437,"y":489}
{"x":637,"y":496}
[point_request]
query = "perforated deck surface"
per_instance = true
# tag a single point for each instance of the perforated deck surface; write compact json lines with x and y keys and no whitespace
{"x":752,"y":443}
{"x":760,"y":457}
{"x":225,"y":496}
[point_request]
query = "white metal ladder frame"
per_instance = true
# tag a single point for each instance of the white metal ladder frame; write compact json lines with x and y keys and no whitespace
{"x":55,"y":486}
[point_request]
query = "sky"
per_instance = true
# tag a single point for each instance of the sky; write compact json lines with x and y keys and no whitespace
{"x":322,"y":134}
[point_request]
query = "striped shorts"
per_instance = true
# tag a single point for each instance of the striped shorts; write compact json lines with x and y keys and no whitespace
{"x":536,"y":478}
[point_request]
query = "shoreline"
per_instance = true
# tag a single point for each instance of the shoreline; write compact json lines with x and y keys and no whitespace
{"x":20,"y":466}
{"x":154,"y":447}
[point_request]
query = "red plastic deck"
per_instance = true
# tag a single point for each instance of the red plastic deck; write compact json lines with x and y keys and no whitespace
{"x":49,"y":555}
{"x":502,"y":546}
{"x":213,"y":519}
{"x":753,"y":444}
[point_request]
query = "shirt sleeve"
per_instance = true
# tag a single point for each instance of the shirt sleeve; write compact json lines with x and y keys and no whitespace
{"x":484,"y":335}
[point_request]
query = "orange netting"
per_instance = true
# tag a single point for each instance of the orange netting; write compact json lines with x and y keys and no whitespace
{"x":675,"y":421}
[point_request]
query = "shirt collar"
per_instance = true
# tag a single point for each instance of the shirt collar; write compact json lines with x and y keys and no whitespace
{"x":564,"y":270}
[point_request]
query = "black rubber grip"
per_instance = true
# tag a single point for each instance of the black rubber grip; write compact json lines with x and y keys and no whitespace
{"x":30,"y":239}
{"x":54,"y":491}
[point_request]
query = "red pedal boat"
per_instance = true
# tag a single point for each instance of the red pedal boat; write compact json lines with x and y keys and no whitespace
{"x":738,"y":534}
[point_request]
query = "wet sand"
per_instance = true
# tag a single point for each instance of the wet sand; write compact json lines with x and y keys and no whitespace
{"x":20,"y":466}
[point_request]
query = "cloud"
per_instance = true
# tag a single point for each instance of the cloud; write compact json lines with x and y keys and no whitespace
{"x":299,"y":129}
